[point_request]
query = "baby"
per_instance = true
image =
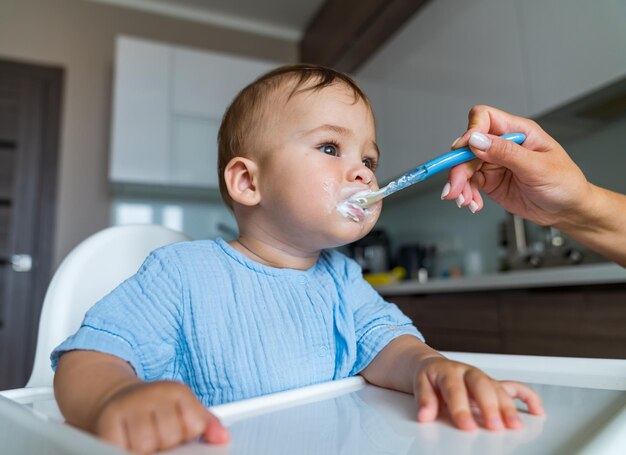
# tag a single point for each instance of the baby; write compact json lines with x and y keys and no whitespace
{"x":209,"y":322}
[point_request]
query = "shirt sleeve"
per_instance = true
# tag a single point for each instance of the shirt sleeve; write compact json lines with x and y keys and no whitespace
{"x":139,"y":321}
{"x":376,"y":321}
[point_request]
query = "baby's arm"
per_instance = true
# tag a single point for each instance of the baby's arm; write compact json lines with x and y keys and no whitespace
{"x":409,"y":365}
{"x":102,"y":394}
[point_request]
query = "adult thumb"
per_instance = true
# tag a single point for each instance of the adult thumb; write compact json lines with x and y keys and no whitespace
{"x":503,"y":152}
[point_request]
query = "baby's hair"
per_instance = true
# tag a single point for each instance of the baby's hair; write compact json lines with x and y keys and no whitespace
{"x":245,"y":116}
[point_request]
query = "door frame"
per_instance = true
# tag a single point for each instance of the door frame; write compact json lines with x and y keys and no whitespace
{"x":19,"y":336}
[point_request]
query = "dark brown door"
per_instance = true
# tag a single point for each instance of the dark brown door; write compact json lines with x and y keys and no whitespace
{"x":30,"y":104}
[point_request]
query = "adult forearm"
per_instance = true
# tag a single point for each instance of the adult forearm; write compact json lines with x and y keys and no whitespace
{"x":601,"y":225}
{"x":85,"y":381}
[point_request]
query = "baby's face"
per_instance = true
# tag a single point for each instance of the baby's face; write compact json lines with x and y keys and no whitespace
{"x":320,"y":150}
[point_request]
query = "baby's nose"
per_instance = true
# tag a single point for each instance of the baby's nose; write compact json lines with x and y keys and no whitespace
{"x":363,"y":174}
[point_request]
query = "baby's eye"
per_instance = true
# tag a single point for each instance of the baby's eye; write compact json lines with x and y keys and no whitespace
{"x":370,"y":163}
{"x":329,"y":149}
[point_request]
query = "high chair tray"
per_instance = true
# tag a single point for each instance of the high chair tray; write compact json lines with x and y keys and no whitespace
{"x":584,"y":399}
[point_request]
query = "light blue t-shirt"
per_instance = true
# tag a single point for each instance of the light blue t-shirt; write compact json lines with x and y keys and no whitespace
{"x":230,"y":328}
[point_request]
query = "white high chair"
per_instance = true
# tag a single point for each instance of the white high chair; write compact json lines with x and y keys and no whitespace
{"x":91,"y":270}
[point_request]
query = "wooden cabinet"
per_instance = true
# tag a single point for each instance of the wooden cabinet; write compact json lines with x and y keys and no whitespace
{"x":571,"y":48}
{"x":168,"y":105}
{"x":448,"y":324}
{"x":587,"y":321}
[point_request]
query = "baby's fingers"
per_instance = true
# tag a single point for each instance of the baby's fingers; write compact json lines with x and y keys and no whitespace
{"x":519,"y":391}
{"x":142,"y":432}
{"x":455,"y":395}
{"x":215,"y":432}
{"x":481,"y":388}
{"x":114,"y":432}
{"x":509,"y":411}
{"x":426,"y":399}
{"x":198,"y":421}
{"x":169,"y":427}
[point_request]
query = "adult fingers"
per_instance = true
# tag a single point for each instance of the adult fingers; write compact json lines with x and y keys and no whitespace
{"x":524,"y":163}
{"x":465,"y":197}
{"x":426,"y":400}
{"x":477,"y":200}
{"x":487,"y":119}
{"x":458,"y":178}
{"x":524,"y":393}
{"x":455,"y":395}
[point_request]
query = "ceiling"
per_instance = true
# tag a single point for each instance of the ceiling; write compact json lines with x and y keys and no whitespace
{"x":285,"y":19}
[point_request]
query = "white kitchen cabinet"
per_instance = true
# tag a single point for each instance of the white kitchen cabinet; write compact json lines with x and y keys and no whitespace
{"x":205,"y":83}
{"x":194,"y":150}
{"x":168,"y":105}
{"x":422,"y":83}
{"x":140,"y":143}
{"x":571,"y":48}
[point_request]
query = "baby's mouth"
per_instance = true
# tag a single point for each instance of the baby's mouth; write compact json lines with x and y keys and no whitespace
{"x":349,"y":210}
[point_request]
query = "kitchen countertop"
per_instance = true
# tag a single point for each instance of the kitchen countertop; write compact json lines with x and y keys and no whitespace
{"x":605,"y":273}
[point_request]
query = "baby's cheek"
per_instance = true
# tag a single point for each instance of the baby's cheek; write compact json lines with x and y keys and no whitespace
{"x":373,"y":212}
{"x":329,"y":196}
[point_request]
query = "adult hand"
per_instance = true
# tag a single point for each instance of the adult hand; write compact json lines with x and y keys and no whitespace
{"x":536,"y":180}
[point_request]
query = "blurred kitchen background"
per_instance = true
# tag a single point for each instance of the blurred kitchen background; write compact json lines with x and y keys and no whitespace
{"x":135,"y":90}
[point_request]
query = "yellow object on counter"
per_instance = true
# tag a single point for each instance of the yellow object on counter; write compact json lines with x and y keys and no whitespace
{"x":379,"y":279}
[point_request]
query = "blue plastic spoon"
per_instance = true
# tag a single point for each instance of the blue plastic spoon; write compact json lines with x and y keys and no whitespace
{"x":422,"y":172}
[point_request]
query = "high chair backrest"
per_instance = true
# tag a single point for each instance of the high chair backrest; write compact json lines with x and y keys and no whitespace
{"x":91,"y":270}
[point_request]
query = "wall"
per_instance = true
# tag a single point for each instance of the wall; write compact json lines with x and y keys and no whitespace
{"x":79,"y":36}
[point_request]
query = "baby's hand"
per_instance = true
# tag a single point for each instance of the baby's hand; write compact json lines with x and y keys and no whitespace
{"x":147,"y":417}
{"x":439,"y":381}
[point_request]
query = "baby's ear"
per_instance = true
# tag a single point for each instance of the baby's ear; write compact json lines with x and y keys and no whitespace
{"x":241,"y":176}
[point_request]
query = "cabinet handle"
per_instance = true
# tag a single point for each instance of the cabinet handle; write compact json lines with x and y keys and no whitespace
{"x":19,"y":262}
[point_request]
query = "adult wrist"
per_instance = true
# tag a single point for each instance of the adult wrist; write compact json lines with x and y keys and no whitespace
{"x":589,"y":214}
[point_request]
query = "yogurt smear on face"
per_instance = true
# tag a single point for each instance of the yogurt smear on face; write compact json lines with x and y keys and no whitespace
{"x":348,"y":209}
{"x":352,"y":211}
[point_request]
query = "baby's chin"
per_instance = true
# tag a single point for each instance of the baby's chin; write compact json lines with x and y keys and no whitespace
{"x":348,"y":231}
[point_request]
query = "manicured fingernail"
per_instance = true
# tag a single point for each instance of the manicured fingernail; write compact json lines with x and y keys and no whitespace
{"x":473,"y":206}
{"x":446,"y":190}
{"x":479,"y":140}
{"x":455,"y":141}
{"x":460,"y":200}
